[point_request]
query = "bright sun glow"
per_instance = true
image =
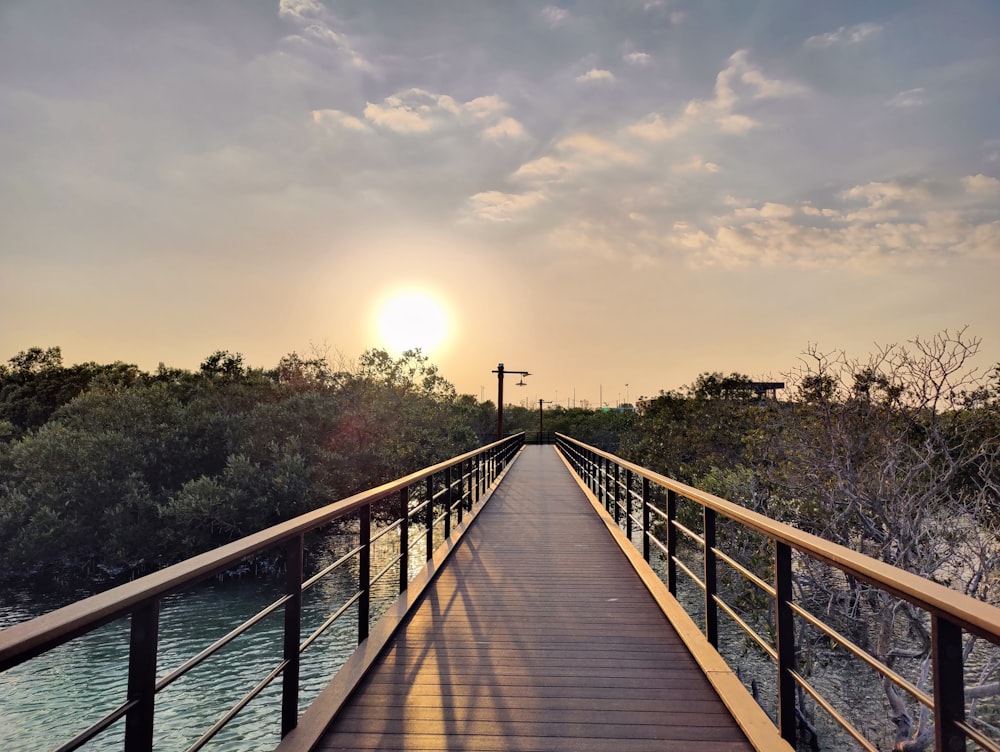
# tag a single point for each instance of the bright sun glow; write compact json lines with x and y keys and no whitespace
{"x":412,"y":320}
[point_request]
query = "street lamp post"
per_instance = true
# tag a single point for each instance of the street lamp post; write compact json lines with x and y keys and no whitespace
{"x":500,"y":372}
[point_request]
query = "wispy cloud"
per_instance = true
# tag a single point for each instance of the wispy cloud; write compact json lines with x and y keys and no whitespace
{"x":554,"y":15}
{"x":596,"y":74}
{"x":908,"y":98}
{"x":497,"y":206}
{"x":637,"y":58}
{"x":739,"y":80}
{"x":845,"y":35}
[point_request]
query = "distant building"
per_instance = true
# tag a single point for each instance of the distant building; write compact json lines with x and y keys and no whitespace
{"x":766,"y":389}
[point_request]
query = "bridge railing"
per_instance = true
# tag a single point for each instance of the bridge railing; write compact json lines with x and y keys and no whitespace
{"x":628,"y":492}
{"x":430,"y":498}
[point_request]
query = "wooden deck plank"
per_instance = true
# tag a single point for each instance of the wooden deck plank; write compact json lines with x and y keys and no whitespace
{"x":538,"y":635}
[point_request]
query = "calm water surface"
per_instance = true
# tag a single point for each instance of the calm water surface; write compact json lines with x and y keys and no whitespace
{"x":50,"y":699}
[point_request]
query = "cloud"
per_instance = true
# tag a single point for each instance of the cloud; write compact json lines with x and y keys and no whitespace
{"x":880,"y":195}
{"x":544,"y":169}
{"x":554,"y":15}
{"x":596,"y":74}
{"x":497,"y":206}
{"x":317,"y":23}
{"x":844,"y":36}
{"x":336,"y":118}
{"x":981,"y":185}
{"x":694,"y":165}
{"x":301,"y":10}
{"x":908,"y":98}
{"x":421,"y":111}
{"x":506,"y":128}
{"x":637,"y":58}
{"x":482,"y":108}
{"x":594,"y":147}
{"x":737,"y":81}
{"x":768,"y":211}
{"x":774,"y":234}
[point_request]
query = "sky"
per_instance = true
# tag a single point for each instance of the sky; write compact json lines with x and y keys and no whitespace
{"x":614,"y":196}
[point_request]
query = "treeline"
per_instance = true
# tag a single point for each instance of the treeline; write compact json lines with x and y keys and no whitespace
{"x":105,"y":468}
{"x":109,"y":470}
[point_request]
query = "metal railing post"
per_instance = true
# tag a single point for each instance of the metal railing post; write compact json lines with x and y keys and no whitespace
{"x":628,"y":504}
{"x":949,"y":684}
{"x":293,"y":627}
{"x":645,"y":519}
{"x":671,"y":542}
{"x":617,"y":496}
{"x":364,"y":570}
{"x":784,"y":639}
{"x":143,"y":638}
{"x":404,"y":538}
{"x":429,"y":518}
{"x":447,"y":501}
{"x":711,"y":585}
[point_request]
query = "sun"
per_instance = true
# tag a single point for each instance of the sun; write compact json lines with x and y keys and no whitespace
{"x":412,"y":320}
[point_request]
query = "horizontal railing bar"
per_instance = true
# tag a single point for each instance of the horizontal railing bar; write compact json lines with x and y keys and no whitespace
{"x":392,"y":562}
{"x":683,"y":567}
{"x":656,"y":542}
{"x":689,"y":533}
{"x":386,"y":530}
{"x":977,"y":736}
{"x":751,"y":632}
{"x":659,"y":512}
{"x":220,"y":643}
{"x":747,"y":574}
{"x":834,"y":713}
{"x":110,"y":719}
{"x":856,"y":651}
{"x":25,"y":640}
{"x":330,"y":620}
{"x":415,"y":510}
{"x":329,"y":568}
{"x":964,"y":611}
{"x":220,"y":724}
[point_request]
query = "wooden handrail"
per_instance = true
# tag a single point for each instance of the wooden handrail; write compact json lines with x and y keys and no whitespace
{"x":975,"y":616}
{"x":23,"y":641}
{"x":950,"y":612}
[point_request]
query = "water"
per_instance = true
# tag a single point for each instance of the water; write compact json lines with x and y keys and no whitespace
{"x":48,"y":700}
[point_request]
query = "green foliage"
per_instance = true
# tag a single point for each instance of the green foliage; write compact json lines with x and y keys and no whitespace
{"x":108,"y":468}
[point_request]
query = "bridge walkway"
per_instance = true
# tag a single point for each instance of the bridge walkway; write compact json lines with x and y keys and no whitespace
{"x":537,"y":635}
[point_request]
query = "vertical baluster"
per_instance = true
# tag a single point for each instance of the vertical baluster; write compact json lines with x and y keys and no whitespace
{"x":292,"y":636}
{"x":429,"y":518}
{"x":628,"y":504}
{"x":646,"y":501}
{"x":364,"y":570}
{"x":711,"y":609}
{"x":461,"y":491}
{"x":404,"y":538}
{"x":143,"y":639}
{"x":671,"y":542}
{"x":784,"y":640}
{"x":949,"y":684}
{"x":447,"y":502}
{"x":617,"y":496}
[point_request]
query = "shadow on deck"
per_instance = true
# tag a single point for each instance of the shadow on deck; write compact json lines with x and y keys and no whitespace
{"x":539,"y":634}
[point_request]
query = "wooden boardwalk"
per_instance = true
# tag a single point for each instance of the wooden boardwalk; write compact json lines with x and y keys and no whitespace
{"x":537,"y":635}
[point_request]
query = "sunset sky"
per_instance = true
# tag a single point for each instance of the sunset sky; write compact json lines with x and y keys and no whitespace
{"x":602,"y":193}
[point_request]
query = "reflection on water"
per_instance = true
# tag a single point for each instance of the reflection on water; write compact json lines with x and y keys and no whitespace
{"x":45,"y":702}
